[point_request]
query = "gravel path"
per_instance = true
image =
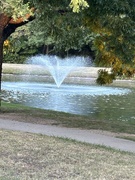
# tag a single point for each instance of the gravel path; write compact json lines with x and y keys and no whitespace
{"x":72,"y":133}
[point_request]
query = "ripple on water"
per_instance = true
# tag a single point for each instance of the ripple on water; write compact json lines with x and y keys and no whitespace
{"x":95,"y":101}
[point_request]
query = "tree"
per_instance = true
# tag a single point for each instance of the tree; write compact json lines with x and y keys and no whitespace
{"x":113,"y":25}
{"x":18,"y":12}
{"x":13,"y":13}
{"x":56,"y":29}
{"x":64,"y":38}
{"x":57,"y":26}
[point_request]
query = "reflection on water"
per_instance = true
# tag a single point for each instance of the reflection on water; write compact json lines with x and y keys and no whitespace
{"x":94,"y":101}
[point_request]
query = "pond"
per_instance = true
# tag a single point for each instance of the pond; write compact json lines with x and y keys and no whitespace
{"x":94,"y":101}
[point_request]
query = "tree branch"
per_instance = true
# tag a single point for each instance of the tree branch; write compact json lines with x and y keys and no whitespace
{"x":11,"y":27}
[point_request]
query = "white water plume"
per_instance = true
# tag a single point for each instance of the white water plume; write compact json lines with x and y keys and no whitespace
{"x":59,"y":68}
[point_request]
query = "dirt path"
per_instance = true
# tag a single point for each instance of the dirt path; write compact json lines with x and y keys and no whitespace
{"x":88,"y":136}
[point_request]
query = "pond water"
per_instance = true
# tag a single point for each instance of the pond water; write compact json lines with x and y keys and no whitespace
{"x":94,"y":101}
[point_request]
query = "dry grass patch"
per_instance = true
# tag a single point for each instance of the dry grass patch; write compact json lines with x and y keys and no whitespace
{"x":31,"y":156}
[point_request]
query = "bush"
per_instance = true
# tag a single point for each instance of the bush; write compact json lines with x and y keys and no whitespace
{"x":104,"y":77}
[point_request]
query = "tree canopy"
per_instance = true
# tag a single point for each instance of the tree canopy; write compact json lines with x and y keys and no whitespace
{"x":56,"y":29}
{"x":14,"y":9}
{"x":107,"y":27}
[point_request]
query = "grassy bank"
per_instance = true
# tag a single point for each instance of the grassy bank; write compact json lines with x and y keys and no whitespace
{"x":31,"y":156}
{"x":40,"y":116}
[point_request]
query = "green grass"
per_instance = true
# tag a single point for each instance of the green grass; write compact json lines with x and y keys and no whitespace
{"x":131,"y":138}
{"x":32,"y":156}
{"x":65,"y":119}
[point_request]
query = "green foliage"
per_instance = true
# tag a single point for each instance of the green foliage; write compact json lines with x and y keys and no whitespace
{"x":104,"y":77}
{"x":19,"y":47}
{"x":113,"y":24}
{"x":56,"y":29}
{"x":60,"y":27}
{"x":76,"y":5}
{"x":14,"y":8}
{"x":125,"y":70}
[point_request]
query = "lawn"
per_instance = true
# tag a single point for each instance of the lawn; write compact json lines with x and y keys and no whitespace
{"x":38,"y":157}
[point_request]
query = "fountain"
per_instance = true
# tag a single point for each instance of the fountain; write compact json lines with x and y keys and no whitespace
{"x":101,"y":102}
{"x":59,"y":68}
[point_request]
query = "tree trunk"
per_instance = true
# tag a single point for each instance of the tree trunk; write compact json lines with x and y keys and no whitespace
{"x":7,"y":27}
{"x":4,"y":20}
{"x":1,"y":60}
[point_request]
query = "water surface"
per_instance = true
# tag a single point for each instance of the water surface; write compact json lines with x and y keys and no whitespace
{"x":111,"y":103}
